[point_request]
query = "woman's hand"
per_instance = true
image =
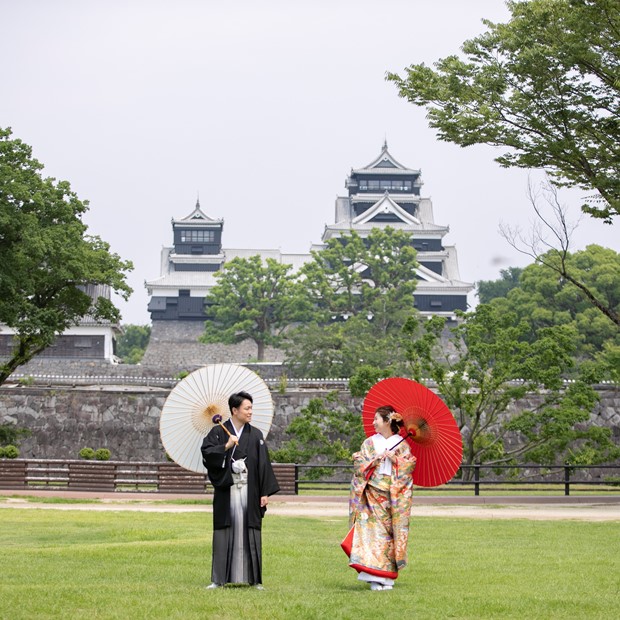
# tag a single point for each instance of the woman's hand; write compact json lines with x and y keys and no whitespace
{"x":232,"y":441}
{"x":390,"y":454}
{"x":264,"y":500}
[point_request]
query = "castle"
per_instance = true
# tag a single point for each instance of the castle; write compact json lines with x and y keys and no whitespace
{"x":380,"y":194}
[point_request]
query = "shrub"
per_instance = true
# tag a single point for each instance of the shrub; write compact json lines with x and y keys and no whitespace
{"x":182,"y":375}
{"x":10,"y":452}
{"x":87,"y":453}
{"x":2,"y":453}
{"x":102,"y":454}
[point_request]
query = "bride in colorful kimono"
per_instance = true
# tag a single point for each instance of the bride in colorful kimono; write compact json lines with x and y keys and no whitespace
{"x":380,"y":502}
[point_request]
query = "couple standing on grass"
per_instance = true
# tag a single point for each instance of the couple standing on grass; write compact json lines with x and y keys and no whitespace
{"x":237,"y":461}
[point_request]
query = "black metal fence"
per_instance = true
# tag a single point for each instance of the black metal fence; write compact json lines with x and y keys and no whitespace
{"x":80,"y":475}
{"x":512,"y":478}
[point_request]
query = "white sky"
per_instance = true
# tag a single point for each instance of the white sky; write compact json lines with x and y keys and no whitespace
{"x":261,"y":107}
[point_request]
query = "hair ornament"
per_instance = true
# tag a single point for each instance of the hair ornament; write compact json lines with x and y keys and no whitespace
{"x":395,"y":417}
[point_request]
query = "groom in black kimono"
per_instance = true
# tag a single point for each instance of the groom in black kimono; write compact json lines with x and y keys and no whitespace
{"x":240,"y":471}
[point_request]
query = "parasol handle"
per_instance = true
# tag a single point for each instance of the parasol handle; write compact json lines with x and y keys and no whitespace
{"x":409,"y":434}
{"x":217,"y":419}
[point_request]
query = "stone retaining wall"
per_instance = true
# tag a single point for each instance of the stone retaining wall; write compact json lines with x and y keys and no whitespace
{"x":126,"y":419}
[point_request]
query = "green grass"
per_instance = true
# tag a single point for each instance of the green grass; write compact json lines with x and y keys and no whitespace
{"x":106,"y":565}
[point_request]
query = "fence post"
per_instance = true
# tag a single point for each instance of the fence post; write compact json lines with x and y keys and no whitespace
{"x":566,"y":480}
{"x":477,"y":479}
{"x":296,"y":479}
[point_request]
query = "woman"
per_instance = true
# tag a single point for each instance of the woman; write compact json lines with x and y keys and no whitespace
{"x":380,"y":502}
{"x":242,"y":477}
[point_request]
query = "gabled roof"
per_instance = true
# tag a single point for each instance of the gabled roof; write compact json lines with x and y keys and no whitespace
{"x":383,"y":206}
{"x":384,"y":163}
{"x":197,"y":216}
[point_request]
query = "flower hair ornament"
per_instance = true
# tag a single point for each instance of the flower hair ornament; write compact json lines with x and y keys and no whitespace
{"x":395,"y":417}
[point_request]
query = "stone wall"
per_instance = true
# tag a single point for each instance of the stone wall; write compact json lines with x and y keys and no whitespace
{"x":126,"y":420}
{"x":174,"y":345}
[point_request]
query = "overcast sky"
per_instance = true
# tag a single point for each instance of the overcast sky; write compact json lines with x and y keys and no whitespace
{"x":260,"y":107}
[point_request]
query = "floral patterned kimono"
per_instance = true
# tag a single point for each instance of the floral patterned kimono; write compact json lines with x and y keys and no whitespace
{"x":379,"y":509}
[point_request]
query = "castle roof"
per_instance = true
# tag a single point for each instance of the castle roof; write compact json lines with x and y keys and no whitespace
{"x":385,"y":163}
{"x":197,"y":218}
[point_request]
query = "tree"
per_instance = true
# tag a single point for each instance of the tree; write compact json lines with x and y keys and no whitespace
{"x":495,"y":367}
{"x":373,"y":277}
{"x":600,"y":293}
{"x":47,"y":259}
{"x":252,"y":300}
{"x":132,"y":343}
{"x":490,"y":289}
{"x":325,"y":433}
{"x":545,"y":85}
{"x":361,"y":292}
{"x":545,"y":297}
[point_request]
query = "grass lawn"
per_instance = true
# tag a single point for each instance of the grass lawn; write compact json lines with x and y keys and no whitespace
{"x":86,"y":564}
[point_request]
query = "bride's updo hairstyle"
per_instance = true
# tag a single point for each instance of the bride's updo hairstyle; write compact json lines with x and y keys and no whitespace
{"x":389,"y":414}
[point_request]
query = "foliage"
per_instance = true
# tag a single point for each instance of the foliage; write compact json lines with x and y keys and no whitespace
{"x":544,"y":85}
{"x":495,"y":367}
{"x":490,"y":289}
{"x":102,"y":454}
{"x":9,"y":452}
{"x":10,"y":433}
{"x":87,"y":454}
{"x":252,"y":300}
{"x":364,"y":378}
{"x":132,"y":343}
{"x":337,"y":349}
{"x":544,"y":299}
{"x":373,"y":277}
{"x":47,"y":259}
{"x":323,"y":433}
{"x":361,"y":292}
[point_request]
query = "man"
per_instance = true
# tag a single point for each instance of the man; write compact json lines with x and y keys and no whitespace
{"x":240,"y":471}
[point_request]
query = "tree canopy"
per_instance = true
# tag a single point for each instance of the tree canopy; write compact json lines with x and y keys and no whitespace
{"x":544,"y":298}
{"x":494,"y":367}
{"x":361,"y":292}
{"x":490,"y":289}
{"x":132,"y":343}
{"x":544,"y":85}
{"x":253,"y":300}
{"x":47,"y":259}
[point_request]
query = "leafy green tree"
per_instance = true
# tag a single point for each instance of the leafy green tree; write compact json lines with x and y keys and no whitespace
{"x":495,"y":367}
{"x":323,"y":433}
{"x":546,"y":299}
{"x":490,"y":289}
{"x":47,"y":259}
{"x":337,"y":349}
{"x":544,"y":85}
{"x":361,"y":292}
{"x":132,"y":343}
{"x":253,"y":300}
{"x":373,"y":277}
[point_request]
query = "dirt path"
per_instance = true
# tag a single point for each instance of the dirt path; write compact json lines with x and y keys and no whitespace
{"x":592,"y":509}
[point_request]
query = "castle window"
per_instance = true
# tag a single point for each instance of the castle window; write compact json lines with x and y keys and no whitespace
{"x":197,"y":236}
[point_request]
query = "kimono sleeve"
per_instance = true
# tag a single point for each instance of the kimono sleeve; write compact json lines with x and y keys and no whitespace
{"x":215,"y":459}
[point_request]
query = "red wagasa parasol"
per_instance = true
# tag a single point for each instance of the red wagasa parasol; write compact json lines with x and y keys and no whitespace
{"x":433,"y":436}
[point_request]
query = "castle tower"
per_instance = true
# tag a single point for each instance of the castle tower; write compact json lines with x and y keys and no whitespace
{"x":386,"y":193}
